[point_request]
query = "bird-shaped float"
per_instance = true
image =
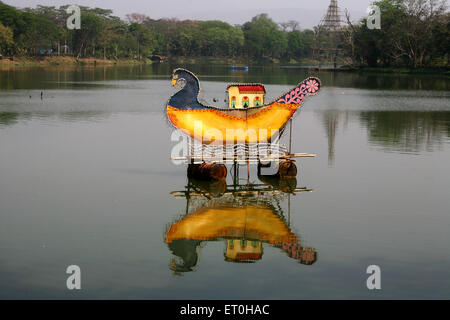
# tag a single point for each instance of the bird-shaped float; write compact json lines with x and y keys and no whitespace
{"x":246,"y":120}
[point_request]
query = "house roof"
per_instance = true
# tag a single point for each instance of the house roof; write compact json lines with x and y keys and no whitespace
{"x":249,"y":87}
{"x":248,"y":256}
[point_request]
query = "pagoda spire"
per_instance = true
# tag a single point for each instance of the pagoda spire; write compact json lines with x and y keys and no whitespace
{"x":332,"y":21}
{"x":328,"y":35}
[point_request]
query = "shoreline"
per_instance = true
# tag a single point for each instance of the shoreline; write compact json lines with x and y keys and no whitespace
{"x":63,"y":61}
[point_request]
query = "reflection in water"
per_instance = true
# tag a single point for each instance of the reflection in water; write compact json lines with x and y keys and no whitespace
{"x":407,"y":131}
{"x":70,"y":77}
{"x":394,"y":131}
{"x":243,"y":216}
{"x":65,"y":77}
{"x":11,"y":118}
{"x":386,"y":81}
{"x":330,"y":121}
{"x":8,"y":118}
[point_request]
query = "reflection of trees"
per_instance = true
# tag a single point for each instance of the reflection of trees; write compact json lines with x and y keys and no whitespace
{"x":8,"y":118}
{"x":382,"y":81}
{"x":407,"y":131}
{"x":67,"y":77}
{"x":75,"y":116}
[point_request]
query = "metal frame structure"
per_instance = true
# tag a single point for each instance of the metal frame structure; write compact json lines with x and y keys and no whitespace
{"x":327,"y":36}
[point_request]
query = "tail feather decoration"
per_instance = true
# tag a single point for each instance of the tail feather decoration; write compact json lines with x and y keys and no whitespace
{"x":310,"y":86}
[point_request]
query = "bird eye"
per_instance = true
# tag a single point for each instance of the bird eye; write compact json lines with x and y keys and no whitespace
{"x":180,"y":83}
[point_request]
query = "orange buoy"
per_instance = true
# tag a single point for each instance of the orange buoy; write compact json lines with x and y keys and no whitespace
{"x":207,"y":171}
{"x":287,"y":169}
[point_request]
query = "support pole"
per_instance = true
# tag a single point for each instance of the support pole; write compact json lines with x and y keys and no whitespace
{"x":290,"y":136}
{"x":289,"y":210}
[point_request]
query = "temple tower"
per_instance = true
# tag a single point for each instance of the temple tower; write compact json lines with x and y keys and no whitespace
{"x":332,"y":21}
{"x":328,"y":35}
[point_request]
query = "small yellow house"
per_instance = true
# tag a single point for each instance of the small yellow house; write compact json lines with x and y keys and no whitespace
{"x":241,"y":250}
{"x":241,"y":96}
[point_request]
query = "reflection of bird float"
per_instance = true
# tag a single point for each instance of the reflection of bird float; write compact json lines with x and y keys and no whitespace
{"x":253,"y":222}
{"x":246,"y":121}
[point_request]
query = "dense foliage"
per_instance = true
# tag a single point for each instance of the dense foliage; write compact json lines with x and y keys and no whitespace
{"x":414,"y":33}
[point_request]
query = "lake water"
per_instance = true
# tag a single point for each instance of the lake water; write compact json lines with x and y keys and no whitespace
{"x":86,"y":179}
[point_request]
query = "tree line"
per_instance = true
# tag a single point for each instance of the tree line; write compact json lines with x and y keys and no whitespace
{"x":26,"y":31}
{"x":414,"y":33}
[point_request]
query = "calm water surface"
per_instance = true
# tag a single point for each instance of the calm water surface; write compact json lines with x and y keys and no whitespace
{"x":85,"y":179}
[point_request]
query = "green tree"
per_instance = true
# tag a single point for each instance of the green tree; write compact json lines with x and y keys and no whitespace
{"x":87,"y":36}
{"x":218,"y":38}
{"x":182,"y":41}
{"x":6,"y":39}
{"x":299,"y":43}
{"x":440,"y":41}
{"x":263,"y":38}
{"x":408,"y":34}
{"x":12,"y":18}
{"x":143,"y":37}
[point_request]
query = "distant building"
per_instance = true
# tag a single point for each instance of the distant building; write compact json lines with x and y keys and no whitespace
{"x":65,"y":49}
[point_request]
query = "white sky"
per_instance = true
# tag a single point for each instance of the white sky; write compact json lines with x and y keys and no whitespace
{"x":308,"y":13}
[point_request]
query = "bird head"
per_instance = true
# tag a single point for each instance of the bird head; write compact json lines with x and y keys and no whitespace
{"x":181,"y":77}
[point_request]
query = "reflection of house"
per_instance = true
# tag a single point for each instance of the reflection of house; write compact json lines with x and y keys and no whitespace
{"x":241,"y":250}
{"x":246,"y":95}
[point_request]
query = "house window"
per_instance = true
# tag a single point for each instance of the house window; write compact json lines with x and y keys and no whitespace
{"x":257,"y":102}
{"x":245,"y":102}
{"x":233,"y":102}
